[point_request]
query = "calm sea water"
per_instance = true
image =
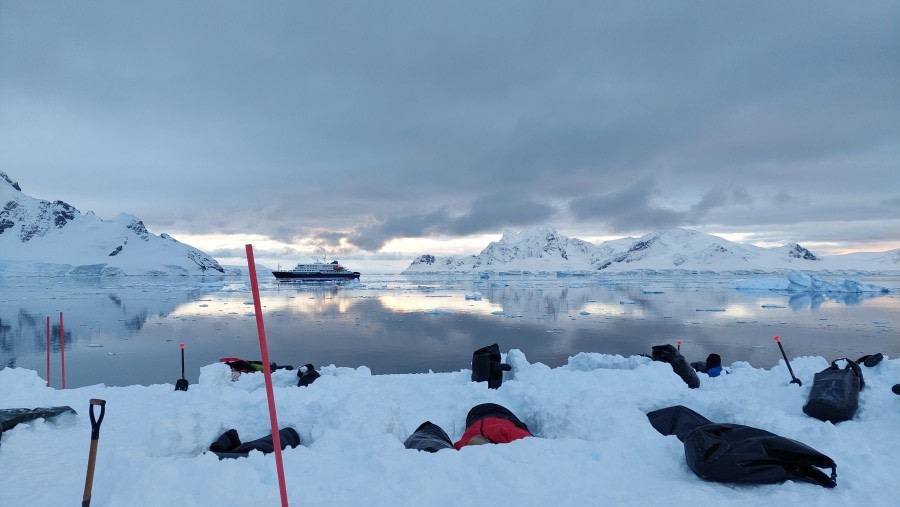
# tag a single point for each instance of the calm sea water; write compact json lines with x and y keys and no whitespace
{"x":127,"y":331}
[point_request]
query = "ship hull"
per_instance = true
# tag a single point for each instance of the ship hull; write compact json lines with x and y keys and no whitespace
{"x":292,"y":276}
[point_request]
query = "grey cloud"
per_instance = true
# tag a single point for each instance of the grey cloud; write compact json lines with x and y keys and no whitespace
{"x":627,"y":209}
{"x":895,"y":202}
{"x":495,"y":211}
{"x":854,"y":232}
{"x":347,"y":116}
{"x":717,"y":198}
{"x":373,"y":237}
{"x":487,"y":213}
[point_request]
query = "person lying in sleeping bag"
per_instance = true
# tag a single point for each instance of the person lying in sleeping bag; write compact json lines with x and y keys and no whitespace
{"x":491,"y":423}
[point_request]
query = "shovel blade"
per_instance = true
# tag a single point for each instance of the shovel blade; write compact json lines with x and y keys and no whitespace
{"x":181,"y":385}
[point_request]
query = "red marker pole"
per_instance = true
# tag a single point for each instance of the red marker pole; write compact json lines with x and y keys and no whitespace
{"x":790,"y":370}
{"x":62,"y":349}
{"x":48,"y":351}
{"x":267,"y":371}
{"x":679,"y":345}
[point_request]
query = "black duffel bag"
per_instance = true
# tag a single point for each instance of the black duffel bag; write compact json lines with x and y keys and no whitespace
{"x":741,"y":454}
{"x":835,"y":392}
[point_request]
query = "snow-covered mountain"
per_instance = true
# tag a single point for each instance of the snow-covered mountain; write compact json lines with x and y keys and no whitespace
{"x":543,"y":249}
{"x":42,"y":237}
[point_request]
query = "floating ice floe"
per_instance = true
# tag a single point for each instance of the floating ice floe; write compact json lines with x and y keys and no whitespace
{"x":810,"y":283}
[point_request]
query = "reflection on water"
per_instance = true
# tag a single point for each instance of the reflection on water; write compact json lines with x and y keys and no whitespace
{"x":800,"y":301}
{"x":127,"y":331}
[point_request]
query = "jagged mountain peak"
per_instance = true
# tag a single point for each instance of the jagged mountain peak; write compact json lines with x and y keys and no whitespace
{"x":799,"y":252}
{"x":8,"y":180}
{"x":34,"y":231}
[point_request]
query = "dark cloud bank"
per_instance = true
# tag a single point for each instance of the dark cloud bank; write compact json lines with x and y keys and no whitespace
{"x":362,"y":122}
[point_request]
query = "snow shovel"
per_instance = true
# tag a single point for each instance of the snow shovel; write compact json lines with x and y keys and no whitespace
{"x":182,"y":383}
{"x":95,"y":436}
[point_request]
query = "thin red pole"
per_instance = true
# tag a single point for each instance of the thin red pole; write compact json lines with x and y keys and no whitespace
{"x":62,"y":349}
{"x":267,"y":371}
{"x":48,"y":351}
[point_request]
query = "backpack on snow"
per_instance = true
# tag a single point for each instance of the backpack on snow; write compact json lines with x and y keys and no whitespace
{"x":486,"y":366}
{"x":307,"y":376}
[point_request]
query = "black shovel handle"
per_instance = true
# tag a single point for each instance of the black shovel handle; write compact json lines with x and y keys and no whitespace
{"x":95,"y":436}
{"x":95,"y":423}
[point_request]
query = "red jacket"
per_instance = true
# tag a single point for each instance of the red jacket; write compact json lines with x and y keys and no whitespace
{"x":496,"y":430}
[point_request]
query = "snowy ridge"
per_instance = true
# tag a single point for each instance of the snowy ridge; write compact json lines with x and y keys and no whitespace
{"x":42,"y":237}
{"x":543,"y":249}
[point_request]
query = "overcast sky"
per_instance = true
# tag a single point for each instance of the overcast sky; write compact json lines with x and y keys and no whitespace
{"x":351,"y":125}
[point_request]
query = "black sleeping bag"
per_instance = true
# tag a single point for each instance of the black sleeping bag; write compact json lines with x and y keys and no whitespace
{"x":741,"y":454}
{"x":669,"y":354}
{"x":428,"y":437}
{"x":834,"y":395}
{"x":9,"y":417}
{"x":229,"y":445}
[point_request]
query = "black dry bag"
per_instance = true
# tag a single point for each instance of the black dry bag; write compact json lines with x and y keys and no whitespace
{"x":741,"y":454}
{"x":486,"y":366}
{"x":428,"y":437}
{"x":835,"y":392}
{"x":669,"y":354}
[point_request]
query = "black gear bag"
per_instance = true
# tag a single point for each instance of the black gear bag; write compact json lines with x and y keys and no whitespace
{"x":741,"y":454}
{"x":486,"y":366}
{"x":835,"y":392}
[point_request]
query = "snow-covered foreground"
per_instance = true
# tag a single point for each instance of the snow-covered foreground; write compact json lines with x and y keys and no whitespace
{"x":595,"y":445}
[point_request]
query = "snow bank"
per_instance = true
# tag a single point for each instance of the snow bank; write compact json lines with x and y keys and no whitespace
{"x":595,"y":444}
